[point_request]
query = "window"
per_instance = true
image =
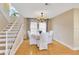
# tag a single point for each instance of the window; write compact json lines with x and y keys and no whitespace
{"x":42,"y":26}
{"x":33,"y":27}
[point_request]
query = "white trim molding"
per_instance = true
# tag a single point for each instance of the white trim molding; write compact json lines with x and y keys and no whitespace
{"x":65,"y":44}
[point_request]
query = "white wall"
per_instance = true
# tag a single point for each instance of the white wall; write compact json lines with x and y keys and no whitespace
{"x":3,"y":20}
{"x":4,"y":12}
{"x":76,"y":29}
{"x":63,"y":28}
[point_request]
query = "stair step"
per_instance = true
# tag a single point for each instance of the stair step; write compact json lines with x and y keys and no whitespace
{"x":2,"y":48}
{"x":15,"y":29}
{"x":12,"y":29}
{"x":16,"y":25}
{"x":9,"y":32}
{"x":2,"y":52}
{"x":3,"y":42}
{"x":7,"y":28}
{"x":11,"y":23}
{"x":9,"y":35}
{"x":9,"y":44}
{"x":3,"y":33}
{"x":10,"y":26}
{"x":9,"y":39}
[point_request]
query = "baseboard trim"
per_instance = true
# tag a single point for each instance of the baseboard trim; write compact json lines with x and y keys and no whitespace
{"x":65,"y":45}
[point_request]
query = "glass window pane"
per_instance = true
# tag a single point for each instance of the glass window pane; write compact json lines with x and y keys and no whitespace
{"x":42,"y":26}
{"x":33,"y":27}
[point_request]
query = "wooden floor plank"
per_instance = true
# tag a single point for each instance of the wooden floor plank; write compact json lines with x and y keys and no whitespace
{"x":53,"y":49}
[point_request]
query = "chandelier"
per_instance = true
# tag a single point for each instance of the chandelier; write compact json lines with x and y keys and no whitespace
{"x":42,"y":16}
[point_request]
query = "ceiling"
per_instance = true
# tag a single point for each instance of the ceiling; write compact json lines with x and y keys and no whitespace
{"x":33,"y":10}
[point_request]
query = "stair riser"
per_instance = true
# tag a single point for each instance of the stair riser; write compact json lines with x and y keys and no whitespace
{"x":3,"y":48}
{"x":9,"y":44}
{"x":9,"y":27}
{"x":14,"y":25}
{"x":10,"y":35}
{"x":9,"y":41}
{"x":2,"y":52}
{"x":7,"y":37}
{"x":12,"y":39}
{"x":9,"y":32}
{"x":12,"y":28}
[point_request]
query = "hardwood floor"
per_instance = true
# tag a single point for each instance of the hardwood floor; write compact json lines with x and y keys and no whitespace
{"x":53,"y":49}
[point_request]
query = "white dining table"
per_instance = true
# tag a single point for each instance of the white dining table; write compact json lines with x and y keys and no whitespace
{"x":36,"y":35}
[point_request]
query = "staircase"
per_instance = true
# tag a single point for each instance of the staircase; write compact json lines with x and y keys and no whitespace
{"x":8,"y":36}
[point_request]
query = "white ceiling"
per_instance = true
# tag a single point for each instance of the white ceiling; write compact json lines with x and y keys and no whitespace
{"x":33,"y":9}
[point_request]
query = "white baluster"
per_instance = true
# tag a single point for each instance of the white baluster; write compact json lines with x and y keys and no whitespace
{"x":6,"y":49}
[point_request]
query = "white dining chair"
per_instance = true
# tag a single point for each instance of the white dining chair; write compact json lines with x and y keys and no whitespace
{"x":50,"y":37}
{"x":32,"y":39}
{"x":43,"y":42}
